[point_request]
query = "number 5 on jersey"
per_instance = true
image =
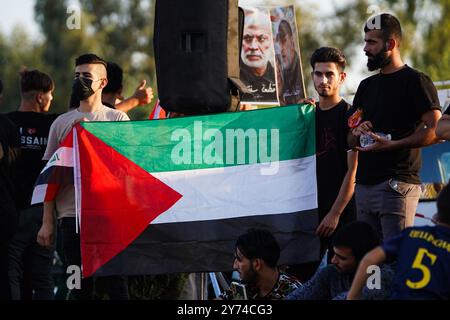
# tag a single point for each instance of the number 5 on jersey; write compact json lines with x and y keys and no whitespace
{"x":418,"y":264}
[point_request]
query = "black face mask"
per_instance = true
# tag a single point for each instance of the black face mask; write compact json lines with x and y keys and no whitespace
{"x":82,"y":88}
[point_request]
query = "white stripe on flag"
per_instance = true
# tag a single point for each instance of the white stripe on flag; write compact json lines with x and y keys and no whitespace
{"x":76,"y":180}
{"x":63,"y":157}
{"x":241,"y":191}
{"x":157,"y":112}
{"x":39,"y":194}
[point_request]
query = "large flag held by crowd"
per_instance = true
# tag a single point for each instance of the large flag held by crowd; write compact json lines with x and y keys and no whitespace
{"x":173,"y":195}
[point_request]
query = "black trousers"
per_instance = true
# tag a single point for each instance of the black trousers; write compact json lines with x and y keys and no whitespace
{"x":5,"y":290}
{"x":27,"y":257}
{"x":116,"y":287}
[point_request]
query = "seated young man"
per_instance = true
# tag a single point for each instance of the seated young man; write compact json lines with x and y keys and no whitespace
{"x":256,"y":259}
{"x":350,"y":244}
{"x":423,"y":259}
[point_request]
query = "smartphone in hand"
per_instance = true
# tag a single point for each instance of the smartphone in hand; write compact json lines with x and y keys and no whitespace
{"x":239,"y":291}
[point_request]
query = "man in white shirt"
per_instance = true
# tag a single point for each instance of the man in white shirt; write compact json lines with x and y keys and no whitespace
{"x":90,"y":79}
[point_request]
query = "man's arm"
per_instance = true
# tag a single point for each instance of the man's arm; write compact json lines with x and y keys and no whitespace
{"x":353,"y":135}
{"x":140,"y":97}
{"x":46,"y":234}
{"x":317,"y":288}
{"x":331,"y":220}
{"x":352,"y":140}
{"x":374,"y":257}
{"x":425,"y":135}
{"x":443,"y":128}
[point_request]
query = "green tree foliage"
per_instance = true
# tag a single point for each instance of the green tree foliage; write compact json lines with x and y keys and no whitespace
{"x":344,"y":29}
{"x":125,"y":31}
{"x":61,"y":46}
{"x":425,"y":24}
{"x":434,"y":55}
{"x":309,"y":41}
{"x":17,"y":52}
{"x":118,"y":31}
{"x":159,"y":287}
{"x":122,"y":31}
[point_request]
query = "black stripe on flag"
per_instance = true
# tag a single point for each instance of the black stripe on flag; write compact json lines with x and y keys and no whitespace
{"x":56,"y":175}
{"x":207,"y":246}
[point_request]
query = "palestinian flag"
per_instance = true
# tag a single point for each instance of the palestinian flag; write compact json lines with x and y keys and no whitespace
{"x":173,"y":195}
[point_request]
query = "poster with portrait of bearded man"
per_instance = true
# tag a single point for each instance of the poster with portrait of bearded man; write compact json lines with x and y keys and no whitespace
{"x":291,"y":88}
{"x":257,"y":62}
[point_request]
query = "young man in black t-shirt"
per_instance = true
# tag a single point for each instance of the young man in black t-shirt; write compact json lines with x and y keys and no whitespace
{"x":400,"y":110}
{"x":26,"y":256}
{"x":336,"y":164}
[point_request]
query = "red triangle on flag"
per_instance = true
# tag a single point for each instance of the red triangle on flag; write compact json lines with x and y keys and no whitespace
{"x":119,"y":200}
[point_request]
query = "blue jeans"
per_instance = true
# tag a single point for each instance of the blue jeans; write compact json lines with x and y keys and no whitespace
{"x":389,"y":207}
{"x":26,"y":255}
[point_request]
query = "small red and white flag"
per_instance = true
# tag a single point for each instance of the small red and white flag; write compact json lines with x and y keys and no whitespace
{"x":158,"y":112}
{"x":57,"y":173}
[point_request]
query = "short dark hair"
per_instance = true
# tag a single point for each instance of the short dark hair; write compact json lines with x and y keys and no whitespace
{"x":358,"y":236}
{"x":284,"y":29}
{"x":115,"y":78}
{"x":389,"y":24}
{"x":34,"y":80}
{"x":89,"y":58}
{"x":443,"y":205}
{"x":327,"y":54}
{"x":259,"y":243}
{"x":1,"y":86}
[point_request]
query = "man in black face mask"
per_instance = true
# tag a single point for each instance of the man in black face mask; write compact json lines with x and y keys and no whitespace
{"x":398,"y":114}
{"x":112,"y":93}
{"x":90,"y":79}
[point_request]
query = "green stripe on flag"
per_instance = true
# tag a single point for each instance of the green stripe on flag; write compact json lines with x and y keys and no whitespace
{"x":213,"y":141}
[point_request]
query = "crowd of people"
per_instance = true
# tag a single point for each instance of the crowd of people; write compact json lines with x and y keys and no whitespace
{"x":29,"y":138}
{"x":368,"y":161}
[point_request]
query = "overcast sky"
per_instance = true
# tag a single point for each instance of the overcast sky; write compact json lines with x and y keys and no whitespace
{"x":17,"y":12}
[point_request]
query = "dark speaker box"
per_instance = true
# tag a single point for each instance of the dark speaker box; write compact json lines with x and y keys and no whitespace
{"x":197,"y":46}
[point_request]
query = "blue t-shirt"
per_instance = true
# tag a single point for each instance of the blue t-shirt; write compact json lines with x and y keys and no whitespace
{"x":423,"y":263}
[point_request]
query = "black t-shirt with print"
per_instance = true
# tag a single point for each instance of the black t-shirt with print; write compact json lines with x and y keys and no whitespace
{"x":34,"y":128}
{"x":394,"y":104}
{"x":331,"y":155}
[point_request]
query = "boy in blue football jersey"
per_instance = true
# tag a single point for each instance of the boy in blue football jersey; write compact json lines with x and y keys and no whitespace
{"x":422,"y":255}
